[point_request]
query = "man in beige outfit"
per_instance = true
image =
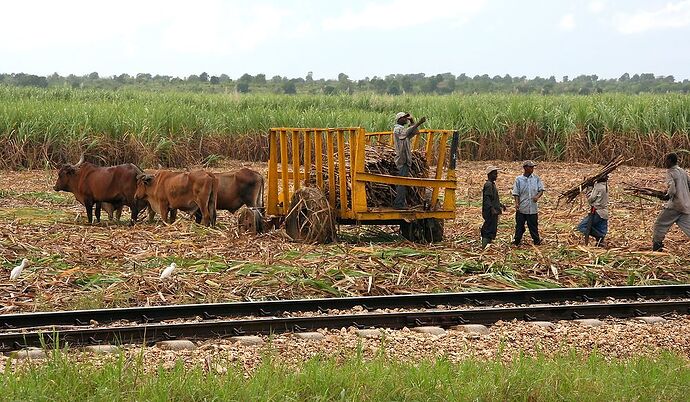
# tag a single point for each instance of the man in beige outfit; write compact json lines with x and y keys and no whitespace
{"x":677,"y":209}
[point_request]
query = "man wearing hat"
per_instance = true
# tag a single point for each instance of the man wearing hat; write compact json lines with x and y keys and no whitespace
{"x":527,"y":190}
{"x":403,"y":152}
{"x":595,"y":224}
{"x":491,"y":206}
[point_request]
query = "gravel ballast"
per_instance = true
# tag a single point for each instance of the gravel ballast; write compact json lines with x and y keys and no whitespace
{"x":505,"y":340}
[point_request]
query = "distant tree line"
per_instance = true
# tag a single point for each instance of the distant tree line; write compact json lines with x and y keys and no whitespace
{"x":394,"y":84}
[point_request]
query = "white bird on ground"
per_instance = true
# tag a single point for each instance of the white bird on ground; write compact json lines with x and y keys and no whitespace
{"x":168,"y":271}
{"x":16,"y":271}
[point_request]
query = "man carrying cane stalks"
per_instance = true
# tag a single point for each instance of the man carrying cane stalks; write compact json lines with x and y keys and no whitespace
{"x":595,"y":224}
{"x":677,"y":209}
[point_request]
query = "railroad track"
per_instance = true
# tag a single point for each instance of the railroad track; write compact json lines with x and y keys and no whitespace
{"x":146,"y":324}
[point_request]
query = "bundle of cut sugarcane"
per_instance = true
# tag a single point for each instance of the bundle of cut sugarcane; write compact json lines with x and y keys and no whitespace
{"x":379,"y":159}
{"x":644,"y":192}
{"x":573,"y":192}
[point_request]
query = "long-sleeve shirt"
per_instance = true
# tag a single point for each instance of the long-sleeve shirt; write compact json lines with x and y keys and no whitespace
{"x":678,"y":189}
{"x":599,"y":199}
{"x":525,"y":188}
{"x":490,"y":199}
{"x":403,"y":152}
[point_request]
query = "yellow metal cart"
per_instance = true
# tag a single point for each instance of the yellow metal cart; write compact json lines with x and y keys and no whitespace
{"x":317,"y":157}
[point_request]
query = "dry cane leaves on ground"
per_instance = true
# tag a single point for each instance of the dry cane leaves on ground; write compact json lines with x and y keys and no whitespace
{"x":74,"y":265}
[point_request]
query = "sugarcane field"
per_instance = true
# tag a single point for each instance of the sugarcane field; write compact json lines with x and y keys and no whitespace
{"x":378,"y":200}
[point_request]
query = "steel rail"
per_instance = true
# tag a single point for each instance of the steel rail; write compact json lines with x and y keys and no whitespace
{"x":280,"y":307}
{"x":150,"y":333}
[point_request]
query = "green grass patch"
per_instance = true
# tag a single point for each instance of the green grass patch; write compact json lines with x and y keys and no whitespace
{"x":55,"y":197}
{"x":32,"y":215}
{"x":301,"y":255}
{"x":466,"y":267}
{"x":565,"y":377}
{"x":7,"y":193}
{"x":49,"y":196}
{"x":96,"y":281}
{"x":390,"y":253}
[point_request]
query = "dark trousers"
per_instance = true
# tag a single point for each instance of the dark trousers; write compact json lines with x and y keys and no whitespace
{"x":598,"y":228}
{"x":401,"y":191}
{"x":532,"y":223}
{"x":490,"y":226}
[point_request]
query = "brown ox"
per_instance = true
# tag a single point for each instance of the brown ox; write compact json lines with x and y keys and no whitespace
{"x":91,"y":185}
{"x":244,"y":187}
{"x":168,"y":191}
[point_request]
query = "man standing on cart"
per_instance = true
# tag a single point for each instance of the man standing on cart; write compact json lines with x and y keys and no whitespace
{"x":403,"y":152}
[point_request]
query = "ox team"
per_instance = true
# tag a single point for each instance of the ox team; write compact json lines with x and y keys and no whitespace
{"x":160,"y":192}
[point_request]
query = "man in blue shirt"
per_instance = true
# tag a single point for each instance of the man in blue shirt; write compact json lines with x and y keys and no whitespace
{"x":403,"y":152}
{"x":527,"y":190}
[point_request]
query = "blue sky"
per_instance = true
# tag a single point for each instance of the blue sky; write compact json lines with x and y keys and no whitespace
{"x":359,"y":38}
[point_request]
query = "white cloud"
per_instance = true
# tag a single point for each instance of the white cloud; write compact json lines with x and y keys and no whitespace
{"x":35,"y":24}
{"x":222,"y":31}
{"x":567,"y":22}
{"x":672,"y":15}
{"x":596,"y":6}
{"x":202,"y":27}
{"x":395,"y":14}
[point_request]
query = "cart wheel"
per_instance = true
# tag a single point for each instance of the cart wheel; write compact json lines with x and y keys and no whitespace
{"x":310,"y":219}
{"x":250,"y":220}
{"x":429,"y":230}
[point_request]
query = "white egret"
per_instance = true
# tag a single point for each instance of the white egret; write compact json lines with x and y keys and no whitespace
{"x":16,"y":271}
{"x":168,"y":271}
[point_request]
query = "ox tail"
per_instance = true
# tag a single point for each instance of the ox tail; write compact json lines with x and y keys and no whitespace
{"x":213,"y":199}
{"x":260,"y":196}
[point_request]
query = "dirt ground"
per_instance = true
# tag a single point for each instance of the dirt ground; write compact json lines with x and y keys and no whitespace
{"x":75,"y":265}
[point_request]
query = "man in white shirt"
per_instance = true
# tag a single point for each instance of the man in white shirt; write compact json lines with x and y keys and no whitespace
{"x":595,"y":224}
{"x":527,"y":190}
{"x":677,"y":209}
{"x":403,"y":152}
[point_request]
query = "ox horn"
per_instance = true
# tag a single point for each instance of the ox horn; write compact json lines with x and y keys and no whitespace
{"x":81,"y":160}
